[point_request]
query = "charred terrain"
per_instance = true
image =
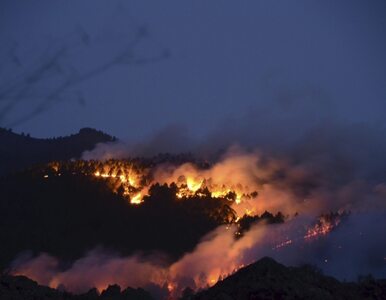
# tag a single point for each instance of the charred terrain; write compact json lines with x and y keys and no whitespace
{"x":174,"y":225}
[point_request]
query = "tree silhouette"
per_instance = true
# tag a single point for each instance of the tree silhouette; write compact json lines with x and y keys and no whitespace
{"x":55,"y":77}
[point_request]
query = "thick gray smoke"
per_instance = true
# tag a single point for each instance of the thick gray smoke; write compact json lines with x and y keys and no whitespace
{"x":305,"y":162}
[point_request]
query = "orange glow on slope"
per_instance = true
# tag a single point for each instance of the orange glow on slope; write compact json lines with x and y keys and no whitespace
{"x":235,"y":179}
{"x":324,"y":226}
{"x":133,"y":181}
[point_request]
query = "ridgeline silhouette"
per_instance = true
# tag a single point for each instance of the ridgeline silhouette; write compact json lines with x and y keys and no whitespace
{"x":265,"y":279}
{"x":19,"y":151}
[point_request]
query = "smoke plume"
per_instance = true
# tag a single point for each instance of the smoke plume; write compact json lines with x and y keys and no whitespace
{"x":327,"y":166}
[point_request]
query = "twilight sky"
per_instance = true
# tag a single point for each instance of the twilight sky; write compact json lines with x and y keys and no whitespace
{"x":291,"y":64}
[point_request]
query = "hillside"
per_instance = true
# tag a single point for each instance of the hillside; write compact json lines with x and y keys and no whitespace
{"x":65,"y":209}
{"x":18,"y":151}
{"x":22,"y":288}
{"x":70,"y":214}
{"x":267,"y":279}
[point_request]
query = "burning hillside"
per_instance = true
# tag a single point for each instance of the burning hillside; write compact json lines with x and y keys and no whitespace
{"x":121,"y":217}
{"x":252,"y":184}
{"x":133,"y":179}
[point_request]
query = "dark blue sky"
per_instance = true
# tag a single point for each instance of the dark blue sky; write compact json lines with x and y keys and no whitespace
{"x":290,"y":64}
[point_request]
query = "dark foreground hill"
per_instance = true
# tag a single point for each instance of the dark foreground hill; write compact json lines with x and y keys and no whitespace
{"x":22,"y":288}
{"x":18,"y":151}
{"x":267,"y":279}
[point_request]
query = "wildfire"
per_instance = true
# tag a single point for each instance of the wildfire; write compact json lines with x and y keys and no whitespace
{"x":193,"y":184}
{"x":324,"y":225}
{"x":133,"y":180}
{"x":237,"y":180}
{"x":137,"y":199}
{"x":283,"y":244}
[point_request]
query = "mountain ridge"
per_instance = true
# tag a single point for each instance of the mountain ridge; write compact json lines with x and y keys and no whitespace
{"x":19,"y":151}
{"x":268,"y":279}
{"x":264,"y":279}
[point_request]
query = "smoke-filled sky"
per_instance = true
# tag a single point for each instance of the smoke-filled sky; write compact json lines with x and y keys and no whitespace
{"x":292,"y":65}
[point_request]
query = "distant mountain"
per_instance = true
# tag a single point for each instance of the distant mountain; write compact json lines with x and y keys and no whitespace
{"x":18,"y":151}
{"x":267,"y":279}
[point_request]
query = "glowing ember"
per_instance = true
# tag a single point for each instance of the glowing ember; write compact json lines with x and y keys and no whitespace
{"x":283,"y":244}
{"x":323,"y":227}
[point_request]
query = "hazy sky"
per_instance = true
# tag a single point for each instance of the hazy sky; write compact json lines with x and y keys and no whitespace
{"x":292,"y":63}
